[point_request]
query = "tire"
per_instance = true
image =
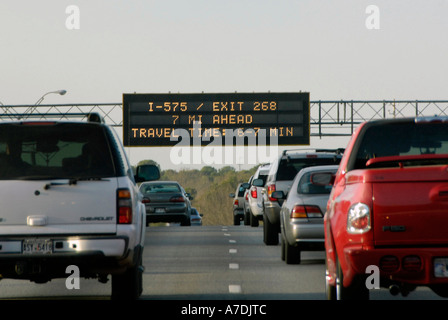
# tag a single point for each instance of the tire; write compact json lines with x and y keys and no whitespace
{"x":236,"y":220}
{"x":253,"y":220}
{"x":330,"y":290}
{"x":441,"y":290}
{"x":283,"y":247}
{"x":356,"y":291}
{"x":270,"y":233}
{"x":246,"y":218}
{"x":129,"y":285}
{"x":292,"y":254}
{"x":186,"y":222}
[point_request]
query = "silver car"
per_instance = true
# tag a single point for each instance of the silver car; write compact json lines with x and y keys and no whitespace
{"x":196,"y":217}
{"x":302,"y":213}
{"x":166,"y":201}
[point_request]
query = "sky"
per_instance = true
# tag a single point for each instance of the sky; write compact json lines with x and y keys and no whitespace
{"x":324,"y":47}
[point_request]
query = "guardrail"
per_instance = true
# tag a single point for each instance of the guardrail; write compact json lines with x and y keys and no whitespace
{"x":327,"y":117}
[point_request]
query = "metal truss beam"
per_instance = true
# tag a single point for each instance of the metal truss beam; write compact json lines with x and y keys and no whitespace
{"x":327,"y":117}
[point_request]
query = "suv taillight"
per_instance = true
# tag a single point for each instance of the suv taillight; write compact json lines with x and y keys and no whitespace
{"x":271,"y":189}
{"x":253,"y":192}
{"x":124,"y":206}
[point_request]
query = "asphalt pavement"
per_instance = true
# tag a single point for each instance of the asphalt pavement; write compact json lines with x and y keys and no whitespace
{"x":208,"y":263}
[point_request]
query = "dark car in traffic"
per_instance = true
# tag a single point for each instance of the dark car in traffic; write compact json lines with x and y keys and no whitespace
{"x":166,"y":201}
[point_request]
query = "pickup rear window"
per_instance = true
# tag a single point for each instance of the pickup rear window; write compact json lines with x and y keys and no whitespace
{"x":54,"y":151}
{"x":409,"y":138}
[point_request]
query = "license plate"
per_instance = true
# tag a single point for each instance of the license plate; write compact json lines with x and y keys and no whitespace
{"x":41,"y":246}
{"x":160,"y":210}
{"x":441,"y":267}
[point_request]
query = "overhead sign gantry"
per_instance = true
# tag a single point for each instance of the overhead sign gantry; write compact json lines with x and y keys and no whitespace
{"x":241,"y":118}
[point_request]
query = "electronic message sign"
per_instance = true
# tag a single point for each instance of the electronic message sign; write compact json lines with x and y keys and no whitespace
{"x":201,"y":118}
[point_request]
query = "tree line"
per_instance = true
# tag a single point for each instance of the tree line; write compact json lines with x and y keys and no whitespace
{"x":210,"y":189}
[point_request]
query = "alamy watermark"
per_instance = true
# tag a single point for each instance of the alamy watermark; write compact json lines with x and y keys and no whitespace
{"x":373,"y":280}
{"x":72,"y":281}
{"x":373,"y":19}
{"x":221,"y":148}
{"x":73,"y":20}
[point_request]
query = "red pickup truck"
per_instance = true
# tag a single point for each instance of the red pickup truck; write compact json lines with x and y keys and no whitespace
{"x":388,"y":210}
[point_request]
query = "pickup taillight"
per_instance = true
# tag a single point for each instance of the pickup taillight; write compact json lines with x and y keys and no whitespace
{"x":124,"y":206}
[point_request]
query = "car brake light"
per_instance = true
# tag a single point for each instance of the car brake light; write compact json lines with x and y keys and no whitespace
{"x":124,"y":206}
{"x":358,"y":218}
{"x":146,"y":200}
{"x":253,"y":192}
{"x":235,"y":202}
{"x":177,"y":199}
{"x":271,"y":189}
{"x":300,"y":211}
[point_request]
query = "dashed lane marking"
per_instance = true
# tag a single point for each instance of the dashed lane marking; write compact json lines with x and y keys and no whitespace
{"x":235,"y":288}
{"x":234,"y":266}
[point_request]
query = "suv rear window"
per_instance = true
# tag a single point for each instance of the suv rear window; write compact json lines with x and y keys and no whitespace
{"x":288,"y":168}
{"x":241,"y":191}
{"x":52,"y":151}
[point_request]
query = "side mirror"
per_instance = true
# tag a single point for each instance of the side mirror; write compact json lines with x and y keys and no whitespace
{"x":245,"y":185}
{"x":232,"y":195}
{"x":322,"y":178}
{"x":258,"y":183}
{"x":278,"y":195}
{"x":147,"y":172}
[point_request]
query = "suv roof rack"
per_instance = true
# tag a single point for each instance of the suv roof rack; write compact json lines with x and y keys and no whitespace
{"x":337,"y":151}
{"x":94,"y":117}
{"x":91,"y":116}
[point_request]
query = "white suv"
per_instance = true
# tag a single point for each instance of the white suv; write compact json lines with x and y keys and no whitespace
{"x":254,"y":196}
{"x":69,"y":197}
{"x":280,"y":178}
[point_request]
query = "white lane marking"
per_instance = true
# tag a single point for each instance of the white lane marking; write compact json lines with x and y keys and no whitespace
{"x":235,"y":288}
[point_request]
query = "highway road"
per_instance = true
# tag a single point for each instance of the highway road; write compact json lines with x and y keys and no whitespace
{"x":209,"y":263}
